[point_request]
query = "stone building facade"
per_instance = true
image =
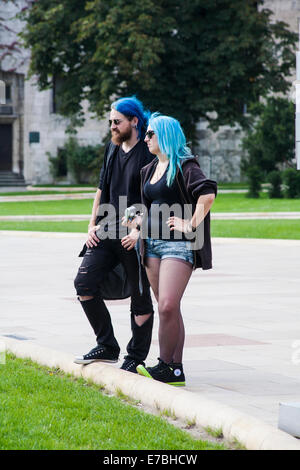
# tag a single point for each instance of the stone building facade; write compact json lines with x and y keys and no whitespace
{"x":30,"y":129}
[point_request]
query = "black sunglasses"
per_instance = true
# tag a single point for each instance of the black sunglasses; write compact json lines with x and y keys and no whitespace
{"x":149,"y":134}
{"x":115,"y":121}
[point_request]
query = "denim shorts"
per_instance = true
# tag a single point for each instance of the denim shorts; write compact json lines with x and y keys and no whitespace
{"x":169,"y":249}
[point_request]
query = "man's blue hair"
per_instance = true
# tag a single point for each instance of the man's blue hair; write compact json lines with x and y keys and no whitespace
{"x":171,"y":141}
{"x":131,"y":107}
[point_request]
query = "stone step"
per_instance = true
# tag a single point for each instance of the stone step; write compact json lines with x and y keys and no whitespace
{"x":8,"y":178}
{"x":12,"y":183}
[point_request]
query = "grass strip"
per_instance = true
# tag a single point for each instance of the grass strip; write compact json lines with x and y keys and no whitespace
{"x":236,"y":202}
{"x":224,"y":203}
{"x":272,"y":229}
{"x":42,"y":409}
{"x":68,"y":206}
{"x":232,"y":186}
{"x":269,"y":229}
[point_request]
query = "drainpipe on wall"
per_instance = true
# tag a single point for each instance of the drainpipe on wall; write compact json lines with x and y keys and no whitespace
{"x":2,"y":92}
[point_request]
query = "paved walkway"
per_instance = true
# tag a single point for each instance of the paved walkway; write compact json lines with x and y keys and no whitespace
{"x":47,"y":197}
{"x":242,"y":318}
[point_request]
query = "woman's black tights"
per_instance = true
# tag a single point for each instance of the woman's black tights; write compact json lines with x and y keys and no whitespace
{"x":168,"y":279}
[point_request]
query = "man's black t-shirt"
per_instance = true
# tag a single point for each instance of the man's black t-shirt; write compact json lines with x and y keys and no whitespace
{"x":124,"y":180}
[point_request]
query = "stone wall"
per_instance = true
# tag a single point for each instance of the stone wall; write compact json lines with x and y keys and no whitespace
{"x":51,"y":128}
{"x":220,"y":152}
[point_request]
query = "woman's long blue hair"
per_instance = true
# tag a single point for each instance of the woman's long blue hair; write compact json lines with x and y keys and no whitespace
{"x":171,"y":142}
{"x":130,"y":106}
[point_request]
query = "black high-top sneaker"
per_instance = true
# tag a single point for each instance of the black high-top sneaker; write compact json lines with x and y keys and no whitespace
{"x":131,"y":364}
{"x":171,"y":374}
{"x":99,"y":353}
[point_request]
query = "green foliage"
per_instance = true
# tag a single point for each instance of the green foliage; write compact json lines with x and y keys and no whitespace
{"x":270,"y":143}
{"x":95,"y":164}
{"x":255,"y":178}
{"x":83,"y":162}
{"x":275,"y":180}
{"x":291,"y":178}
{"x":80,"y":158}
{"x":58,"y":164}
{"x":186,"y":59}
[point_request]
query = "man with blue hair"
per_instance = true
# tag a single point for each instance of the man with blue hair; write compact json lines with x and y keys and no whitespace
{"x":126,"y":154}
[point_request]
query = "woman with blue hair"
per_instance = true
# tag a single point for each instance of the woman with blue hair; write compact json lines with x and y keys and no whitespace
{"x":175,"y":235}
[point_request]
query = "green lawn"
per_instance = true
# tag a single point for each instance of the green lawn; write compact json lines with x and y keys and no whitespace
{"x":235,"y":202}
{"x":44,"y":409}
{"x":275,"y":228}
{"x":223,"y":203}
{"x":281,"y":228}
{"x":286,"y":229}
{"x":232,"y":186}
{"x":78,"y":206}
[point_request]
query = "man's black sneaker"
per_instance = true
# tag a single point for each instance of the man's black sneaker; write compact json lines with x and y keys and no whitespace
{"x":99,"y":353}
{"x":171,"y":374}
{"x":130,"y":364}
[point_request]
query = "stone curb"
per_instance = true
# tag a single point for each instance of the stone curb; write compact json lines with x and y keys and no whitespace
{"x":250,"y":432}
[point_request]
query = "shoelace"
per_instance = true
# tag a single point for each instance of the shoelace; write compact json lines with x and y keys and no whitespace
{"x":130,"y":364}
{"x":95,"y":352}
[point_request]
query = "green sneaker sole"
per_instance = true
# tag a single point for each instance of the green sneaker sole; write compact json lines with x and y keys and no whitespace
{"x":143,"y":371}
{"x":177,"y":384}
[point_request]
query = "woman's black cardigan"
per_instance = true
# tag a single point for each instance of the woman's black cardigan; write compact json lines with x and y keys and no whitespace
{"x":192,"y":183}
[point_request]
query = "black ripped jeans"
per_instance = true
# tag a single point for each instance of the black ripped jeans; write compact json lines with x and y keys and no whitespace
{"x":97,"y":262}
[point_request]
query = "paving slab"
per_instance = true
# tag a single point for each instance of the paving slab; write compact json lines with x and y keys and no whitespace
{"x":242,"y":317}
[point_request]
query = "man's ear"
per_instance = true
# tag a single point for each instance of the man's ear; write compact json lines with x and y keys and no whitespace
{"x":134,"y":122}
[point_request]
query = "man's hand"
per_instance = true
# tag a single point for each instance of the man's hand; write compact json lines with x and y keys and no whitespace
{"x":130,"y":240}
{"x":92,"y":240}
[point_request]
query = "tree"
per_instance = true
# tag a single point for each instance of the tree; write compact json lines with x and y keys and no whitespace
{"x":10,"y":47}
{"x":186,"y":59}
{"x":271,"y":142}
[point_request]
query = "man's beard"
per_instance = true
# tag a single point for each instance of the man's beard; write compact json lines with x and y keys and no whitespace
{"x":118,"y":137}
